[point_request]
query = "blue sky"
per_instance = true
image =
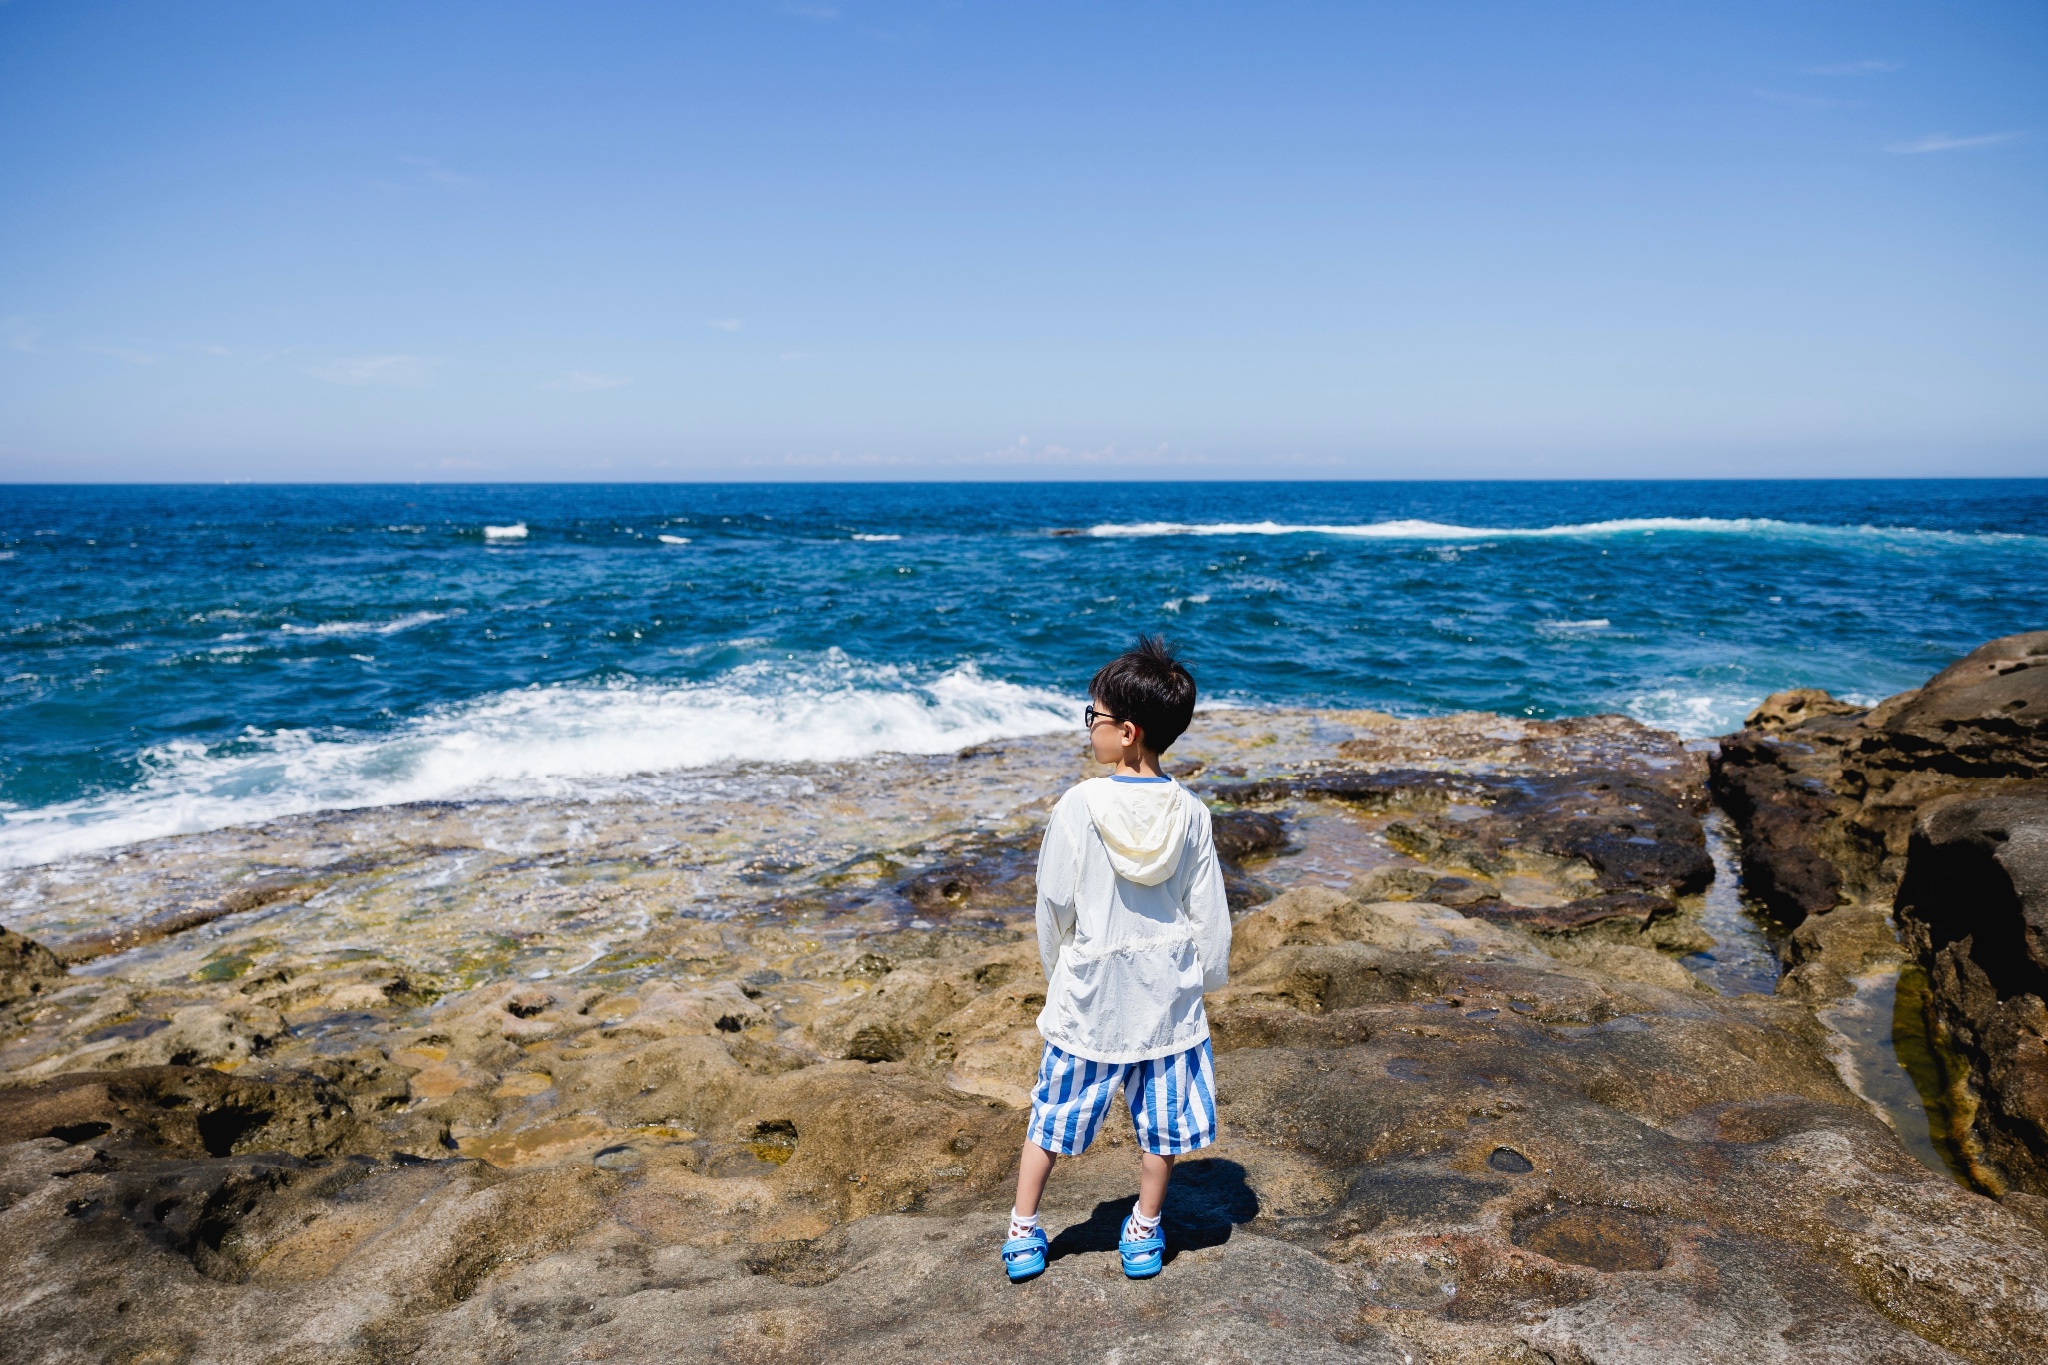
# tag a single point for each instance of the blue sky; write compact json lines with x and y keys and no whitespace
{"x":289,"y":240}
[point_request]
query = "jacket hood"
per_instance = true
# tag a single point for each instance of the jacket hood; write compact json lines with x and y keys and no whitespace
{"x":1143,"y":825}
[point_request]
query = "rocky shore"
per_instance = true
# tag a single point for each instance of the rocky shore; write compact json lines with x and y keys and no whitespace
{"x":1927,"y":815}
{"x":734,"y":1072}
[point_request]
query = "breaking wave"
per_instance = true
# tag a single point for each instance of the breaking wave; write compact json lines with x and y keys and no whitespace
{"x":1412,"y":529}
{"x":561,"y":741}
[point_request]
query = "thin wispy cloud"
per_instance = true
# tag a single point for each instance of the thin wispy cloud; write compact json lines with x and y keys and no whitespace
{"x":19,"y":334}
{"x":586,"y":381}
{"x":724,"y":324}
{"x":1945,"y":142}
{"x":1869,"y":66}
{"x":1804,"y":101}
{"x":426,"y":168}
{"x":395,"y":371}
{"x":125,"y":353}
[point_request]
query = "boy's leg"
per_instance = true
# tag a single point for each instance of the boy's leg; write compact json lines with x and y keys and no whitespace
{"x":1173,"y":1107}
{"x":1031,"y":1173}
{"x":1153,"y":1173}
{"x":1068,"y":1105}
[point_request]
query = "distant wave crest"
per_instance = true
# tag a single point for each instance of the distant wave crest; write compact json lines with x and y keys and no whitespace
{"x":418,"y":618}
{"x":1413,"y":529}
{"x":569,"y":740}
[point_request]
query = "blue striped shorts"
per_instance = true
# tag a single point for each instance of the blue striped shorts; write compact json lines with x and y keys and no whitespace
{"x":1172,"y":1099}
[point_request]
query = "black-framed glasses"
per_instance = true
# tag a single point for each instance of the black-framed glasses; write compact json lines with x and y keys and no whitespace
{"x":1089,"y":715}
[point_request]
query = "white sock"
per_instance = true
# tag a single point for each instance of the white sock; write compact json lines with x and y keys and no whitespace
{"x":1142,"y":1225}
{"x":1022,"y":1225}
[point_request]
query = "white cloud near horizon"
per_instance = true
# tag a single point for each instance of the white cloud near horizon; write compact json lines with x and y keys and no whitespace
{"x":1945,"y":142}
{"x":586,"y":381}
{"x":19,"y":334}
{"x":397,"y":371}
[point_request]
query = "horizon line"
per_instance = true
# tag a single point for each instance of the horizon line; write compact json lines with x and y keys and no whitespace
{"x":1012,"y":482}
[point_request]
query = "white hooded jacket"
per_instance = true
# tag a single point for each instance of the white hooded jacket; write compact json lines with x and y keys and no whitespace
{"x":1132,"y":923}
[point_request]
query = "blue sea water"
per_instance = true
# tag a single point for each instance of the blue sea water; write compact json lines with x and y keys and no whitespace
{"x":180,"y":658}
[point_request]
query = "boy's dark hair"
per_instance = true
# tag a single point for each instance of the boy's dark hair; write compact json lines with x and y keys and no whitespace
{"x":1147,"y":686}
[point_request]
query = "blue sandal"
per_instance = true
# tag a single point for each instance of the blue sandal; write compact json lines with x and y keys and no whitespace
{"x":1024,"y":1256}
{"x":1143,"y":1256}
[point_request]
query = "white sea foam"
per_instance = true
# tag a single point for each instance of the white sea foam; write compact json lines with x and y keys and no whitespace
{"x":673,"y":540}
{"x":516,"y":531}
{"x":565,"y":741}
{"x":1693,"y":715}
{"x":418,"y":618}
{"x":858,"y":536}
{"x":1413,"y":529}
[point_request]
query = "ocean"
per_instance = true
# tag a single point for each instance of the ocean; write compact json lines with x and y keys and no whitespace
{"x":184,"y":658}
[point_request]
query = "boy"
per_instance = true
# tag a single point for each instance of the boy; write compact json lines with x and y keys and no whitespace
{"x":1132,"y":928}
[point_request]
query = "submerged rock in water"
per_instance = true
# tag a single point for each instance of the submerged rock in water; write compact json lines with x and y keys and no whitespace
{"x":743,"y":1082}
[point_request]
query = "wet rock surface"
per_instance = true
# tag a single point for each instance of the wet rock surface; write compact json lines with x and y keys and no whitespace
{"x":1826,"y":794}
{"x":1882,"y":835}
{"x":27,"y":968}
{"x":741,"y":1078}
{"x":1974,"y":907}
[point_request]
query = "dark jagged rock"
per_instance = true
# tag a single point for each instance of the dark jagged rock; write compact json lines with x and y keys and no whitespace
{"x":1635,"y":832}
{"x":1456,"y":892}
{"x":1983,"y":717}
{"x":1636,"y":836}
{"x":27,"y":968}
{"x":1483,"y":902}
{"x":1824,"y":796}
{"x":1241,"y":890}
{"x":1242,"y":834}
{"x":1974,"y":906}
{"x":992,"y":874}
{"x":189,"y":1110}
{"x":1368,"y":787}
{"x":1633,"y":906}
{"x":1766,"y":780}
{"x":1847,"y":814}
